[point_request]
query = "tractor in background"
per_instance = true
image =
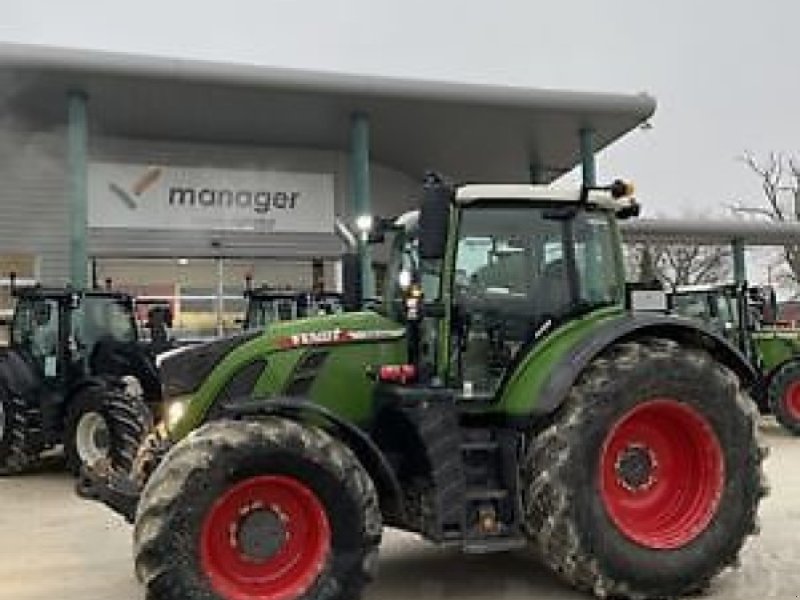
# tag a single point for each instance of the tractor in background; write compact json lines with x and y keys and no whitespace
{"x":504,"y":395}
{"x":266,"y":305}
{"x":75,"y":374}
{"x":746,"y":316}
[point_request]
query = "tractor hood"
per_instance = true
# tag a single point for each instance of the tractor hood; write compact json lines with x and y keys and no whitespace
{"x":185,"y":371}
{"x":182,"y":372}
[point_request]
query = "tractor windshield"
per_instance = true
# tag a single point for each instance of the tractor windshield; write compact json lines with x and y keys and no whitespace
{"x":519,"y":268}
{"x":543,"y":265}
{"x":103,"y":317}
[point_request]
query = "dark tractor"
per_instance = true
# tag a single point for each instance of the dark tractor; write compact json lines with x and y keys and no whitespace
{"x":746,"y":316}
{"x":505,"y":396}
{"x":266,"y":305}
{"x":73,"y":374}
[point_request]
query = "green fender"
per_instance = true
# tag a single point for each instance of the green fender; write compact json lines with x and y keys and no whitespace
{"x":541,"y":382}
{"x":776,"y":347}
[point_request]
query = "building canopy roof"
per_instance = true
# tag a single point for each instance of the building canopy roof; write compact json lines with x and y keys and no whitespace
{"x":711,"y":232}
{"x":467,"y":132}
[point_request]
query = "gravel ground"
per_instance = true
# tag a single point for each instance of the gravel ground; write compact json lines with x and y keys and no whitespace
{"x":53,"y":545}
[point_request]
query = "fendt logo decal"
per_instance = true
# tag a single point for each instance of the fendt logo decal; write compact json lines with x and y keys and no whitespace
{"x":337,"y":336}
{"x":140,"y":186}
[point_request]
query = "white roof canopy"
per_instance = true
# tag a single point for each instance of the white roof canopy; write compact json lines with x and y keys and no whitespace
{"x":467,"y":132}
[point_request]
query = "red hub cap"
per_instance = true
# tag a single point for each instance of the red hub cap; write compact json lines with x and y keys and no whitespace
{"x":266,"y":538}
{"x":661,"y":474}
{"x":791,"y":400}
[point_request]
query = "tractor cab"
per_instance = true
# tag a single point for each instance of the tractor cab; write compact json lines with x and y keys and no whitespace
{"x":60,"y":330}
{"x":500,"y":266}
{"x":723,"y":308}
{"x":733,"y":311}
{"x":266,"y":306}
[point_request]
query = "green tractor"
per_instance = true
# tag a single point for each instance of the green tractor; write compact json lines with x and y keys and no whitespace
{"x":505,"y":395}
{"x":746,"y":316}
{"x":73,"y":374}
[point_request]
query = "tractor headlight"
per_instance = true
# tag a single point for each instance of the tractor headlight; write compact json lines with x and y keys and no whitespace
{"x":175,"y":412}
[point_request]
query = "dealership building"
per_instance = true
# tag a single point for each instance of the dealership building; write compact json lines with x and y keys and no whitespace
{"x":178,"y":178}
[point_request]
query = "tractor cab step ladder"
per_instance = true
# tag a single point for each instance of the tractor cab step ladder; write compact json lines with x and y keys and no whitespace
{"x":492,"y":508}
{"x":474,"y":499}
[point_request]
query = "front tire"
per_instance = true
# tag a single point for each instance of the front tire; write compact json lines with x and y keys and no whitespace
{"x":784,"y":396}
{"x":271,"y":509}
{"x":104,"y":427}
{"x":648,"y":481}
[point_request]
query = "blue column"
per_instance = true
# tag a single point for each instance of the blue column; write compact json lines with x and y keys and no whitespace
{"x":360,"y":201}
{"x":739,"y":263}
{"x":588,"y":166}
{"x":77,"y":158}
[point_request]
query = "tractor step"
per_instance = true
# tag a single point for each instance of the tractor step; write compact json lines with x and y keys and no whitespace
{"x":480,"y":446}
{"x":489,"y":545}
{"x":486,"y":494}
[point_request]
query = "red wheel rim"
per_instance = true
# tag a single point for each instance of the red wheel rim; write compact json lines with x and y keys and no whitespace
{"x":266,"y":538}
{"x":791,"y":400}
{"x":662,"y":474}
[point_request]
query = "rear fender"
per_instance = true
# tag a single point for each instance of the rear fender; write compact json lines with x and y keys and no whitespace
{"x":629,"y":327}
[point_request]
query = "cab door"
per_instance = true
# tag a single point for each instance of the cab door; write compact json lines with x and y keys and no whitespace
{"x":38,"y":332}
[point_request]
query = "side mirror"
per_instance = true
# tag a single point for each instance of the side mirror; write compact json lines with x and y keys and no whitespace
{"x":351,"y":282}
{"x":434,"y":218}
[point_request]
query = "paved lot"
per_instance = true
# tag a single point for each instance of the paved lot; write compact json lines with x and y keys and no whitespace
{"x":53,"y":545}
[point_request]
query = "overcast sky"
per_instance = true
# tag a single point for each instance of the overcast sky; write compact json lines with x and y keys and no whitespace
{"x":725,"y":72}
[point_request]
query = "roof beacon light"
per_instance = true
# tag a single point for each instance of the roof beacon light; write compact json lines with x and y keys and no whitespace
{"x":621,"y":189}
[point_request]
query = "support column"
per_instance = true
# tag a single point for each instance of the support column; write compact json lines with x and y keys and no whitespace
{"x":588,"y":165}
{"x":739,"y":263}
{"x":77,"y":157}
{"x":360,"y":201}
{"x":536,"y":173}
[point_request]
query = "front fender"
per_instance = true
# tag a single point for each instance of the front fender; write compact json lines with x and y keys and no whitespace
{"x":542,"y":381}
{"x":367,"y":452}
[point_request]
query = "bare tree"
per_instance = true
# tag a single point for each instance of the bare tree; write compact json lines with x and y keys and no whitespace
{"x":779,"y":175}
{"x":675,"y":265}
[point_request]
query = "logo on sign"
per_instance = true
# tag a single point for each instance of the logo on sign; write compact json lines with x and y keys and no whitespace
{"x":139,"y":187}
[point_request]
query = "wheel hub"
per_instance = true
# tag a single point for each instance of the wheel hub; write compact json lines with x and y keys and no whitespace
{"x":260,"y":533}
{"x":635,"y":467}
{"x":92,"y":438}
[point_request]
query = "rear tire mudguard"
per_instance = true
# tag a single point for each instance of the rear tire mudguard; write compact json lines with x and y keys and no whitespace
{"x":634,"y":326}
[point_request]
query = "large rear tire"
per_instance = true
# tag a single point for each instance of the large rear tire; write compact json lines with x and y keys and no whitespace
{"x":784,"y":396}
{"x":20,"y":434}
{"x":648,"y":481}
{"x":104,"y":428}
{"x":272,"y":509}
